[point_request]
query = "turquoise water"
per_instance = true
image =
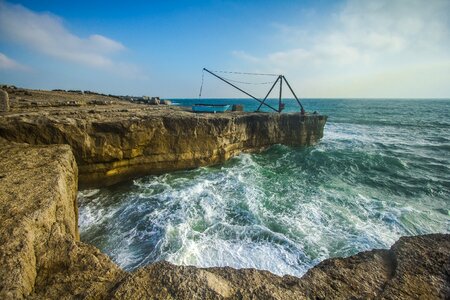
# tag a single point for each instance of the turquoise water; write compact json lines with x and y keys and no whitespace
{"x":381,"y":171}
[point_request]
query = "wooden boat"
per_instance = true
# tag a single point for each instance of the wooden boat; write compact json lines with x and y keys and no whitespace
{"x":213,"y":108}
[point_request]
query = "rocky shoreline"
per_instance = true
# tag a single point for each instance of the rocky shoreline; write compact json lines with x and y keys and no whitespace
{"x":119,"y":140}
{"x":41,"y":256}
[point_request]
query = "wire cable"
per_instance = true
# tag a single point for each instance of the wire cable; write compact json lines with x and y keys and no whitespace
{"x":243,"y":82}
{"x":245,"y":73}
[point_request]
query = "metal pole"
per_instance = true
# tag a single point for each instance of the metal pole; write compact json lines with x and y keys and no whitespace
{"x":289,"y":86}
{"x":278,"y":78}
{"x":239,"y":89}
{"x":281,"y":88}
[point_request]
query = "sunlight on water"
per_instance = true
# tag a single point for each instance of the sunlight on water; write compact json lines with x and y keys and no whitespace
{"x":378,"y":174}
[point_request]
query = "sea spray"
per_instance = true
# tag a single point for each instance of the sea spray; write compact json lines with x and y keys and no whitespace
{"x":380,"y":172}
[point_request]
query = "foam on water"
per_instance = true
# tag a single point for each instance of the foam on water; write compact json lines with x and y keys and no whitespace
{"x":362,"y":187}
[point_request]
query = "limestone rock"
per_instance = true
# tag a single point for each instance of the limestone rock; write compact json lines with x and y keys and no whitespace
{"x":4,"y":101}
{"x":414,"y":268}
{"x":154,"y":101}
{"x":42,"y":258}
{"x":119,"y":141}
{"x":422,"y":268}
{"x":39,"y":249}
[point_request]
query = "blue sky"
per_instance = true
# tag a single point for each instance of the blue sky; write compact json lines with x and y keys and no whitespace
{"x":351,"y":48}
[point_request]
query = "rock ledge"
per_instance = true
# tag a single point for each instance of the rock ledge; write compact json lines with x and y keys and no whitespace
{"x":121,"y":140}
{"x":41,"y":256}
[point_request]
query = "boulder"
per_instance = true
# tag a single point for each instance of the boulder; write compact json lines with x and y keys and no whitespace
{"x":4,"y":101}
{"x":154,"y":101}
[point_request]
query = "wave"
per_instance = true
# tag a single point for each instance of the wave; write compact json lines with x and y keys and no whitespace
{"x":362,"y":187}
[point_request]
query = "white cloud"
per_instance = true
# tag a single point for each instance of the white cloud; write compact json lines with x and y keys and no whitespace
{"x":46,"y":33}
{"x":364,"y":39}
{"x":245,"y":56}
{"x":7,"y":63}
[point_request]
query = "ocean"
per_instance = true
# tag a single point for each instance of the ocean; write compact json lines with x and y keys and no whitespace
{"x":381,"y":171}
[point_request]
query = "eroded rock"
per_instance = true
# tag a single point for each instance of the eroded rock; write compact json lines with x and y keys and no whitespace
{"x":4,"y":101}
{"x":120,"y":141}
{"x":41,"y":256}
{"x":40,"y":252}
{"x":414,"y":268}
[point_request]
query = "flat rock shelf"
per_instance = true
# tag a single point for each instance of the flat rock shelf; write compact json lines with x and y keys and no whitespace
{"x":122,"y":140}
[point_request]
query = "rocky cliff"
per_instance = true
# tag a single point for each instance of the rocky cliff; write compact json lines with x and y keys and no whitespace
{"x":40,"y":252}
{"x":42,"y":258}
{"x":119,"y":140}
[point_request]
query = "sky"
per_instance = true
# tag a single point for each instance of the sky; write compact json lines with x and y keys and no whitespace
{"x":326,"y":49}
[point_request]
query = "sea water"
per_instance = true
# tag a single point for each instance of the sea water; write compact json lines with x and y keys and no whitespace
{"x":381,"y":171}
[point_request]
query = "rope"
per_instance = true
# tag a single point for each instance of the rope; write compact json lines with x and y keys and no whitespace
{"x":245,"y":73}
{"x":201,"y":86}
{"x":236,"y":81}
{"x":267,"y":82}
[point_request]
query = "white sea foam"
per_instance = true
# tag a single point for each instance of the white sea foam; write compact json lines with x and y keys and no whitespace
{"x":284,"y":210}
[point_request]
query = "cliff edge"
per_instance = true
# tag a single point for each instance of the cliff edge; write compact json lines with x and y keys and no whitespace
{"x":40,"y":252}
{"x":114,"y":140}
{"x":41,"y":256}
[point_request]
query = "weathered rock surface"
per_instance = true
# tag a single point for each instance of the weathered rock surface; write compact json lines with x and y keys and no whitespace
{"x":40,"y":253}
{"x":414,"y":268}
{"x":115,"y":142}
{"x":42,"y":258}
{"x":4,"y":101}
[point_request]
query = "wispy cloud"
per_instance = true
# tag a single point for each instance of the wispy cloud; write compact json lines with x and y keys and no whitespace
{"x":245,"y":56}
{"x":363,"y":38}
{"x":7,"y":63}
{"x":46,"y":33}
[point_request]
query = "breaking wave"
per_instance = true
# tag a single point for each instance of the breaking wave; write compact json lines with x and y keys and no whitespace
{"x":285,"y":210}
